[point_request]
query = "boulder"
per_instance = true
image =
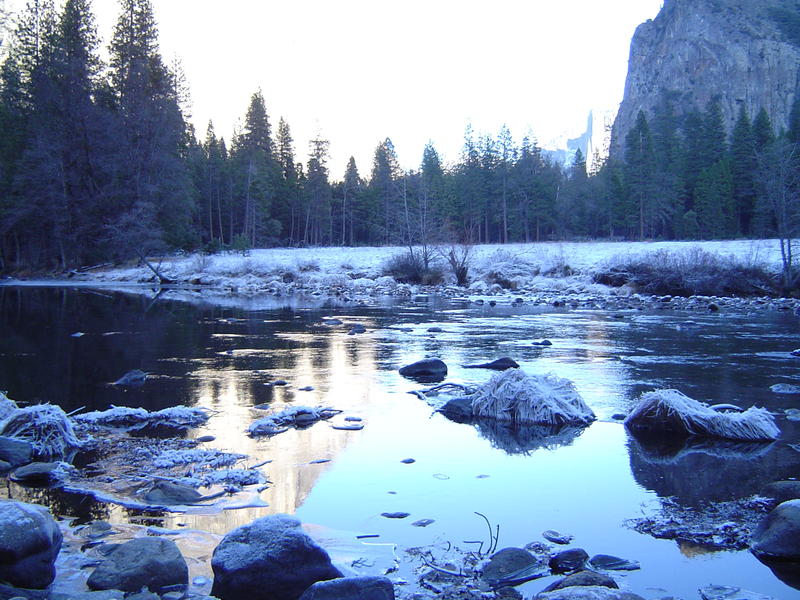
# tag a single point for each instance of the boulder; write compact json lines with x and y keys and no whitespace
{"x":781,"y":491}
{"x":778,"y":535}
{"x":270,"y":558}
{"x":511,"y":566}
{"x":427,"y":367}
{"x":351,"y":588}
{"x":151,"y":562}
{"x":15,"y":451}
{"x":458,"y":409}
{"x":565,"y":561}
{"x":30,"y":540}
{"x":38,"y":474}
{"x":593,"y":592}
{"x":582,"y":579}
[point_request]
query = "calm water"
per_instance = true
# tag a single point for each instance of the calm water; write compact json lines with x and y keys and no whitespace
{"x":585,"y":485}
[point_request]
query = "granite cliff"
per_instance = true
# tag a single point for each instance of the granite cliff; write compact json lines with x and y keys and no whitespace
{"x":746,"y":52}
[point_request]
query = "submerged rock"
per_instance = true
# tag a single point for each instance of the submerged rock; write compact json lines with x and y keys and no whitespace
{"x":724,"y":592}
{"x":582,"y":579}
{"x":501,"y":364}
{"x":30,"y":540}
{"x":153,"y":563}
{"x":511,"y":566}
{"x":169,"y":493}
{"x":427,"y":367}
{"x":551,"y":535}
{"x":351,"y":588}
{"x":778,"y":535}
{"x":613,"y":563}
{"x":271,"y":553}
{"x":587,"y":593}
{"x":133,"y":378}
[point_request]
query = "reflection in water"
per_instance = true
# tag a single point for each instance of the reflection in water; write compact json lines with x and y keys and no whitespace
{"x":696,"y":471}
{"x":586,"y":481}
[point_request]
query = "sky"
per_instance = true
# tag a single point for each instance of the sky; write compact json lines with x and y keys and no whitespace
{"x":416,"y":71}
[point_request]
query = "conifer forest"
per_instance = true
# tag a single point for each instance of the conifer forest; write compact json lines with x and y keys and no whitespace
{"x":99,"y":163}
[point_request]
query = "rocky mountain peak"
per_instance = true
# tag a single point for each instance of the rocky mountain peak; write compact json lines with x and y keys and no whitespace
{"x":746,"y":52}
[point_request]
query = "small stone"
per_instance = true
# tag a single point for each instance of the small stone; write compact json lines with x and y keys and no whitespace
{"x":307,"y":388}
{"x":435,"y":330}
{"x":422,"y":523}
{"x":280,"y":383}
{"x":511,"y":562}
{"x":543,"y":343}
{"x":723,"y":592}
{"x":582,"y":579}
{"x":353,"y":419}
{"x":353,"y":427}
{"x":395,"y":515}
{"x":613,"y":563}
{"x":351,"y":588}
{"x":551,"y":535}
{"x":205,"y":438}
{"x":619,"y":416}
{"x":408,"y":461}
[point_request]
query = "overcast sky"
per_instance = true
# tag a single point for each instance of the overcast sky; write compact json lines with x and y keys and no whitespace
{"x":359,"y":71}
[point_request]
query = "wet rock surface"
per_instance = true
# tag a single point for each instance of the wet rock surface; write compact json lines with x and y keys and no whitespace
{"x":351,"y":588}
{"x":154,"y":563}
{"x":30,"y":541}
{"x":570,"y":560}
{"x":582,"y":579}
{"x":778,"y":536}
{"x":270,"y":553}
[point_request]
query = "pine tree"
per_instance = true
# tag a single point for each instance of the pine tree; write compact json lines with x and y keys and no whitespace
{"x":743,"y":169}
{"x":352,"y":190}
{"x":318,"y":192}
{"x":763,"y":132}
{"x":288,"y":201}
{"x":640,"y":168}
{"x":384,"y":186}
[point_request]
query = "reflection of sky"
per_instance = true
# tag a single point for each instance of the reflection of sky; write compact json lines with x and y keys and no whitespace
{"x":585,"y":488}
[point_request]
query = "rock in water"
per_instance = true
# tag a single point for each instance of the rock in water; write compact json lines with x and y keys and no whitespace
{"x":593,"y":592}
{"x":351,"y":588}
{"x":509,"y":563}
{"x":551,"y":535}
{"x":38,"y":474}
{"x":566,"y":561}
{"x":269,"y":557}
{"x":131,"y":379}
{"x":29,"y":544}
{"x":724,"y":592}
{"x":582,"y":579}
{"x":778,"y":535}
{"x":501,"y":364}
{"x":427,"y":367}
{"x":169,"y":493}
{"x":613,"y":563}
{"x":150,"y":562}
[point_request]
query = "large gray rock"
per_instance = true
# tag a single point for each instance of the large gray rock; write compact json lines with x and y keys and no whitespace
{"x":151,"y":562}
{"x":351,"y":588}
{"x":29,"y":544}
{"x":269,"y":559}
{"x":427,"y":367}
{"x":15,"y":451}
{"x":587,"y":593}
{"x":778,"y":535}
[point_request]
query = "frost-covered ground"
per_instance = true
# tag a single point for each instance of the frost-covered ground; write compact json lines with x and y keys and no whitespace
{"x":533,"y":268}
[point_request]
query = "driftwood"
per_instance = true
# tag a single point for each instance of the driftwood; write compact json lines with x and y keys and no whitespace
{"x":162,"y":280}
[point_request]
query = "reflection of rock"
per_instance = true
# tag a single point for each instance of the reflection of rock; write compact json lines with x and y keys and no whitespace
{"x":696,"y":471}
{"x":521,"y":439}
{"x":786,"y":570}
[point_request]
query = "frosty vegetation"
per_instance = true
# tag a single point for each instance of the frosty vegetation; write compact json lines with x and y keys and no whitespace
{"x":671,"y":412}
{"x":514,"y":396}
{"x":45,"y":426}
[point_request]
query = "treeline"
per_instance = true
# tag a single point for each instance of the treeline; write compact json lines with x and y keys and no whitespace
{"x":99,"y":162}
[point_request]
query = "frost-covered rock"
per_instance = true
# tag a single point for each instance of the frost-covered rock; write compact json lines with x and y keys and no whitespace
{"x":151,"y":562}
{"x":299,"y":416}
{"x":671,"y":412}
{"x":725,"y":592}
{"x":46,"y":427}
{"x":778,"y":536}
{"x":178,"y":417}
{"x":269,"y":558}
{"x":29,"y":544}
{"x":593,"y":592}
{"x":514,"y":396}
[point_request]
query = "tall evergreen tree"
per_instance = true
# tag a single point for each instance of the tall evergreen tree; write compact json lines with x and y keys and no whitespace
{"x":640,"y":168}
{"x":743,"y":170}
{"x":383,"y":185}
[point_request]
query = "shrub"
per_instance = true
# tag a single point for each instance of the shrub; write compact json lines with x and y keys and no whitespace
{"x":409,"y":267}
{"x":688,"y":273}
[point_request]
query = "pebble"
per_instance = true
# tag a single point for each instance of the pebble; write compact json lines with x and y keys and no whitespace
{"x":395,"y":515}
{"x":353,"y":427}
{"x":422,"y":523}
{"x":551,"y":535}
{"x":408,"y":461}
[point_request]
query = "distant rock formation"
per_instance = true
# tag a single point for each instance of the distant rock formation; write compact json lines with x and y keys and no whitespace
{"x":746,"y":52}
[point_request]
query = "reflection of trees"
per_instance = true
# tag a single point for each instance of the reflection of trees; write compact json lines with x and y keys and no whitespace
{"x":695,"y":471}
{"x":61,"y":503}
